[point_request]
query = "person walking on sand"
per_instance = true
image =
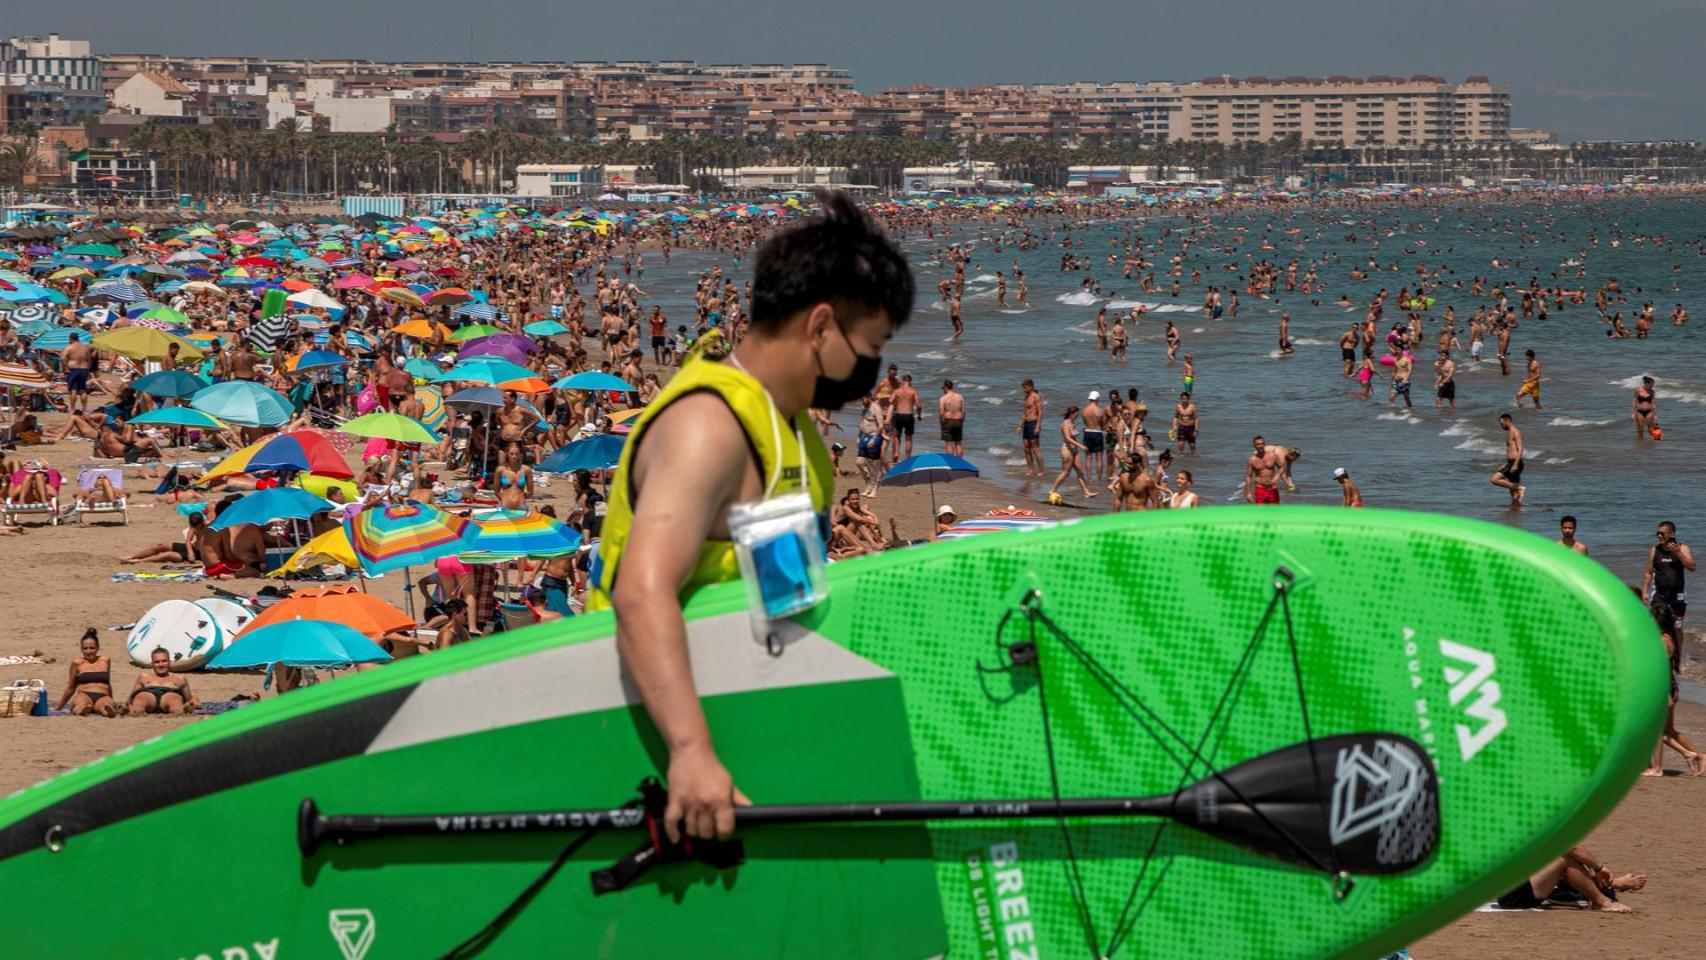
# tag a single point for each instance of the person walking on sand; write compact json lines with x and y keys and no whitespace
{"x":1509,"y":476}
{"x":1071,"y":461}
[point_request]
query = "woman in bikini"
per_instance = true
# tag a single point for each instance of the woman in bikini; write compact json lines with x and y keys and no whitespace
{"x":1184,"y":497}
{"x":514,"y":480}
{"x":1070,"y":447}
{"x":160,"y":690}
{"x":90,"y":688}
{"x":178,"y":551}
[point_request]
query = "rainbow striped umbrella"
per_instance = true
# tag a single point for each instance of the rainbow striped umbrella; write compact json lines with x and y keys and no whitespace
{"x":509,"y":534}
{"x":18,"y":375}
{"x":396,"y":535}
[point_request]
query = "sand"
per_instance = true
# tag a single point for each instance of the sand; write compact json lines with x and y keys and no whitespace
{"x":58,"y":584}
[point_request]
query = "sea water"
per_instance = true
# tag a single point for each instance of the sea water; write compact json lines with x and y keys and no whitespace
{"x":1583,"y":457}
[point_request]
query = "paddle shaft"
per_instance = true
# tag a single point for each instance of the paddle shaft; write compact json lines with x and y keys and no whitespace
{"x":315,"y":827}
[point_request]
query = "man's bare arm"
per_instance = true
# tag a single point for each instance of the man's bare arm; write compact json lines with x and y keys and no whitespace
{"x":694,"y":456}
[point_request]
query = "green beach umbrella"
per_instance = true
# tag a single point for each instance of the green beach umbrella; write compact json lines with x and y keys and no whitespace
{"x":390,"y":426}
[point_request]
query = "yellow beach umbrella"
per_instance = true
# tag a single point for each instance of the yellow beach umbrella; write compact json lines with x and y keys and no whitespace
{"x":145,"y":343}
{"x":333,"y":546}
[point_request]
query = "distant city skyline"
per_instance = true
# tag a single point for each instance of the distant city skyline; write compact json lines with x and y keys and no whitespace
{"x":1638,"y":81}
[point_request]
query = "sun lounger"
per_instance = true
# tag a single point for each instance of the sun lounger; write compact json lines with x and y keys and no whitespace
{"x":16,"y":510}
{"x":86,"y":481}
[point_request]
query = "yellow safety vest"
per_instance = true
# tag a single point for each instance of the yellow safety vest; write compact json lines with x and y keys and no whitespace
{"x":791,"y":458}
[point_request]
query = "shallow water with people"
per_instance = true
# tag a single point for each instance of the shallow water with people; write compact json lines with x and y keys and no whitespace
{"x":1583,"y":455}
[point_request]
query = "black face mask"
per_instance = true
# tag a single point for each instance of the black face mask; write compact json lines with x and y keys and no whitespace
{"x":832,"y":394}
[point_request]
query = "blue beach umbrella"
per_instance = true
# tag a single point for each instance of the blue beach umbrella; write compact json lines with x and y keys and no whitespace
{"x":244,"y":403}
{"x":928,"y":468}
{"x":597,"y":452}
{"x":276,"y":503}
{"x":593,"y":380}
{"x":508,"y":534}
{"x":173,"y":384}
{"x":299,"y":643}
{"x":177,"y":417}
{"x":319,"y":360}
{"x":57,"y":339}
{"x":487,"y":370}
{"x":545,"y":328}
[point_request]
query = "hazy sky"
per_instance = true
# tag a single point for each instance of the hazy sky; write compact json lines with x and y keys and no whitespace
{"x":1581,"y":68}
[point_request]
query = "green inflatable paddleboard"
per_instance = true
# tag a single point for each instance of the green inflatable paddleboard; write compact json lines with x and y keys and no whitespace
{"x":1332,"y":730}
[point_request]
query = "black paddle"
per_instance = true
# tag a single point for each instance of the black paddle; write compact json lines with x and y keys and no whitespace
{"x":1365,"y":803}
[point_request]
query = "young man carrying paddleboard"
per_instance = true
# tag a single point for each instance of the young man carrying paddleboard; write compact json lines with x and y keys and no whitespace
{"x":826,"y":296}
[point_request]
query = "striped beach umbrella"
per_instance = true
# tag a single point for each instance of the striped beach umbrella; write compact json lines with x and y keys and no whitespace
{"x":510,"y":534}
{"x":397,"y":535}
{"x":300,"y":451}
{"x":995,"y":521}
{"x":432,"y":404}
{"x":18,"y":375}
{"x":122,"y":291}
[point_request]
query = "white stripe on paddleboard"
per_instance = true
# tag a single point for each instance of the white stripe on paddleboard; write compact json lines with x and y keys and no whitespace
{"x":587,"y":677}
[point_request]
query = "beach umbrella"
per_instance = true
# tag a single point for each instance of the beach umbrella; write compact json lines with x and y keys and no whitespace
{"x":510,"y":534}
{"x":177,"y":417}
{"x":171,"y":384}
{"x":314,"y":298}
{"x":202,"y":286}
{"x":473,"y":331}
{"x":995,"y":521}
{"x":390,"y":426}
{"x":593,"y":380}
{"x":597,"y":452}
{"x":372,"y":617}
{"x":396,"y":535}
{"x":421,"y":329}
{"x":421,"y":369}
{"x":449,"y":297}
{"x":492,"y":371}
{"x":145,"y":343}
{"x":244,"y":403}
{"x":122,"y":291}
{"x":545,"y":328}
{"x":514,"y":341}
{"x":18,"y":375}
{"x":299,"y":643}
{"x":478,"y":311}
{"x":93,"y":250}
{"x":928,"y":468}
{"x":404,"y":296}
{"x":352,"y":281}
{"x":275,"y":503}
{"x":167,"y":315}
{"x":69,"y":273}
{"x":333,"y":546}
{"x":56,"y":339}
{"x":434,"y":412}
{"x":300,"y":451}
{"x":492,"y":347}
{"x":317,"y":360}
{"x":29,"y":313}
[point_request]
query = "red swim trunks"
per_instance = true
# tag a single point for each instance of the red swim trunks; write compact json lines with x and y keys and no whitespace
{"x":1267,"y":495}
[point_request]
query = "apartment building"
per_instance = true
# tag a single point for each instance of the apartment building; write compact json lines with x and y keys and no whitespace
{"x":1352,"y":111}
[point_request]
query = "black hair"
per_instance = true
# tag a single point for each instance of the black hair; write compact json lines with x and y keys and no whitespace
{"x":1566,"y":518}
{"x":841,"y":257}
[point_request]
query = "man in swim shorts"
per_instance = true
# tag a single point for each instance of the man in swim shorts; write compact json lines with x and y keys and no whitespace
{"x":1530,"y":386}
{"x":1509,"y":476}
{"x":1261,"y":475}
{"x":951,"y":411}
{"x":1030,"y":429}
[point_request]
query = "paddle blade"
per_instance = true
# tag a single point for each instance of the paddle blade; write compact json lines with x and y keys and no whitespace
{"x":1368,"y":803}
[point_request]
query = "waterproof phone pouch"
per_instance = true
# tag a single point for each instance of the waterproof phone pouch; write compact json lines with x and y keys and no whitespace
{"x":780,"y":551}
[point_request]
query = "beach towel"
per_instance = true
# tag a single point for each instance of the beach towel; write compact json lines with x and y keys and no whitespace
{"x":185,"y":576}
{"x":22,"y":658}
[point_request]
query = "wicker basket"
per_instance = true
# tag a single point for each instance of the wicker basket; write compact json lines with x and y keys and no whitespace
{"x":19,"y":698}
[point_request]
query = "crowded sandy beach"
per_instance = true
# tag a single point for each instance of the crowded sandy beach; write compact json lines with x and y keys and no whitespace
{"x":415,"y":424}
